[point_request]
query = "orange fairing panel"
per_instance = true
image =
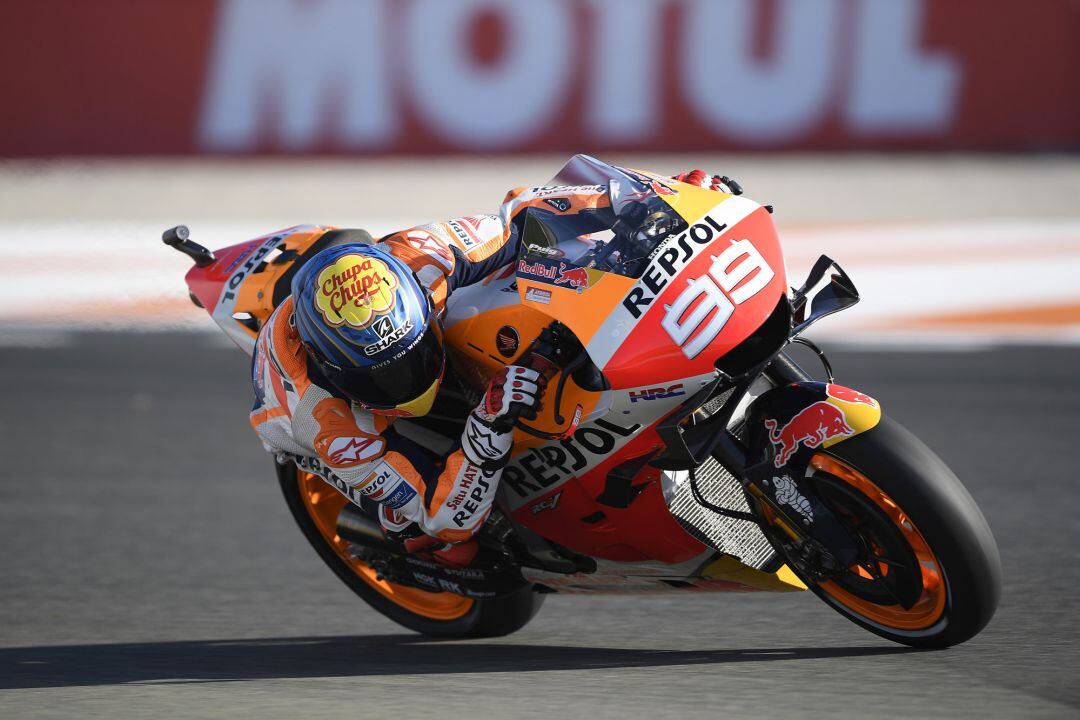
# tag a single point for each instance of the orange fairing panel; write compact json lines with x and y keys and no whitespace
{"x":475,"y":340}
{"x":243,"y":278}
{"x":583,"y":309}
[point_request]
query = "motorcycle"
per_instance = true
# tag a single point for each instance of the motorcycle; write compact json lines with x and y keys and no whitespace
{"x":680,"y":449}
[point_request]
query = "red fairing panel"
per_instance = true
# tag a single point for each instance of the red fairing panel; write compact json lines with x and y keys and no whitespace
{"x":625,"y":520}
{"x":206,"y":282}
{"x":714,"y":303}
{"x":732,"y":281}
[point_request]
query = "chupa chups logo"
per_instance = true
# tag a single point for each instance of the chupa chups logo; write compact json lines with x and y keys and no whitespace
{"x":507,"y":341}
{"x":355,"y":289}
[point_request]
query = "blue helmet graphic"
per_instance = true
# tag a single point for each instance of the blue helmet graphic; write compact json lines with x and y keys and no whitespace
{"x":369,"y":326}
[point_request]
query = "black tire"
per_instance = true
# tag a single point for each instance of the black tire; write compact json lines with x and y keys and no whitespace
{"x":486,"y":618}
{"x":949,"y":520}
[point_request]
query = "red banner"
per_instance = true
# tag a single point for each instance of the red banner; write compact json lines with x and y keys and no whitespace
{"x":431,"y":76}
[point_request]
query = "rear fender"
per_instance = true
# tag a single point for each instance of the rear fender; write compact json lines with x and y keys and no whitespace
{"x":785,"y":427}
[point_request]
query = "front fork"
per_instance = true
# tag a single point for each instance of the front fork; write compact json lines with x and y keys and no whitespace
{"x":785,"y":427}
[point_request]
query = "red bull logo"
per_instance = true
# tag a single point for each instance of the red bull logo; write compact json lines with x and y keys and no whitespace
{"x":575,"y":277}
{"x":848,"y":395}
{"x":811,"y":427}
{"x":662,"y":189}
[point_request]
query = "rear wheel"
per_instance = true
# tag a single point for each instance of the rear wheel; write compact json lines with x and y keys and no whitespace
{"x":928,"y":574}
{"x":315,"y":507}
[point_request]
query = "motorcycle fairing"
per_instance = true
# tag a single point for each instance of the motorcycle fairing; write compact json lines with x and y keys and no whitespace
{"x":783,"y":432}
{"x":595,"y":492}
{"x":682,"y":330}
{"x":606,"y":506}
{"x":710,"y":572}
{"x":786,"y":426}
{"x":248,"y":280}
{"x":631,"y":327}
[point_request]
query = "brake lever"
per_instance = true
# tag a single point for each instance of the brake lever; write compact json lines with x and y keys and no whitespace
{"x":575,"y":420}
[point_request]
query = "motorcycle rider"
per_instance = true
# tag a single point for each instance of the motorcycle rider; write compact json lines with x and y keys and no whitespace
{"x":358,"y":344}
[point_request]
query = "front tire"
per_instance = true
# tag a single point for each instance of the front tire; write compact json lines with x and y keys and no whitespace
{"x":315,"y":507}
{"x":936,"y":581}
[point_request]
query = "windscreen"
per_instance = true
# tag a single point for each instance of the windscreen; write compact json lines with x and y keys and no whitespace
{"x":620,"y":234}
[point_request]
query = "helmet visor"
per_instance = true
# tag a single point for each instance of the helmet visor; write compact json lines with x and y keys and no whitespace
{"x":395,"y":381}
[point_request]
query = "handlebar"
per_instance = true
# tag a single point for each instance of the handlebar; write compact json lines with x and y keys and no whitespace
{"x":178,"y":238}
{"x":541,"y":357}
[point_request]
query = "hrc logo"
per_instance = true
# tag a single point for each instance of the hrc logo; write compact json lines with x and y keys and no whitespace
{"x":657,"y":393}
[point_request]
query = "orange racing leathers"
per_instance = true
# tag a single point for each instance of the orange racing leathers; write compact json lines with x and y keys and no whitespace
{"x":358,"y":451}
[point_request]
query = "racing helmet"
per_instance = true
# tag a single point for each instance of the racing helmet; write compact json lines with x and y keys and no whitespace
{"x":370,"y":327}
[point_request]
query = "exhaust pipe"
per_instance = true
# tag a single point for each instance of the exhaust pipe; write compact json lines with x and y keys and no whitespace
{"x":357,"y":527}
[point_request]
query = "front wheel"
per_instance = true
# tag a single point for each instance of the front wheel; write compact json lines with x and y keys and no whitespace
{"x":929,"y":573}
{"x":315,"y":507}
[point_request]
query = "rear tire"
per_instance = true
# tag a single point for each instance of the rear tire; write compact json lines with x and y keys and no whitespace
{"x":944,"y":514}
{"x":461,"y":618}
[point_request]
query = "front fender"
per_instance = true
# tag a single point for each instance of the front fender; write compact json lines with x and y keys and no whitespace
{"x":785,"y":427}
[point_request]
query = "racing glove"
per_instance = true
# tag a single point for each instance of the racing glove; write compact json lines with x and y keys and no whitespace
{"x":719,"y":183}
{"x":514,"y":392}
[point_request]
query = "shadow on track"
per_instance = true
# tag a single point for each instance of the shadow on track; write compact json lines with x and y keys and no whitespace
{"x":348,"y":656}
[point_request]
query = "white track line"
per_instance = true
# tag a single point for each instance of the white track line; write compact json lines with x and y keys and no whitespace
{"x":118,"y":275}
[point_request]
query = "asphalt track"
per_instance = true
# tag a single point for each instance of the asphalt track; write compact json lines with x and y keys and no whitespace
{"x":150,"y":568}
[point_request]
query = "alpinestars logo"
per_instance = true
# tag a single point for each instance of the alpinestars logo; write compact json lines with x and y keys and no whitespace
{"x":481,"y":442}
{"x":344,"y":451}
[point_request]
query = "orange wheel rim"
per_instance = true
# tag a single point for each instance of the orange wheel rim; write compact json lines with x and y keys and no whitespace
{"x":930,"y":605}
{"x":323,"y":504}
